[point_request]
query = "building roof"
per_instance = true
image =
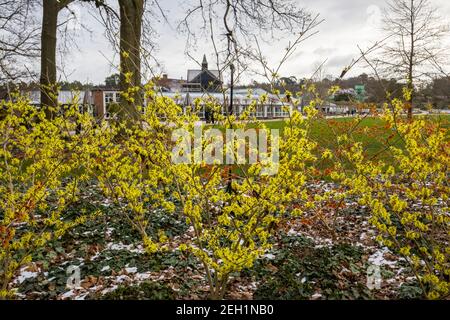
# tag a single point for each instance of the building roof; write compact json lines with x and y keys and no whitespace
{"x":64,"y":97}
{"x":192,"y":74}
{"x":106,"y":88}
{"x":240,"y":96}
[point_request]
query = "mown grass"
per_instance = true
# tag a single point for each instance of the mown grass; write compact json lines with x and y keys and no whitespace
{"x":372,"y":132}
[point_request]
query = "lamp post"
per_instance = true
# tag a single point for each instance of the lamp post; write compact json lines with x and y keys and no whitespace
{"x":230,"y":112}
{"x":230,"y":108}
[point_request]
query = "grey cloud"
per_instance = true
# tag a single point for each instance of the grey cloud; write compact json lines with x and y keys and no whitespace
{"x":324,"y":51}
{"x":340,"y":61}
{"x":347,"y":24}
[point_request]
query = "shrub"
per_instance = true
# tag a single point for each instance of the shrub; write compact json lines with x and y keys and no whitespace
{"x":408,"y":198}
{"x":233,"y":210}
{"x":42,"y":166}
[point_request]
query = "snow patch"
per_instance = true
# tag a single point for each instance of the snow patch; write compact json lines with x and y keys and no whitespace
{"x":142,"y":276}
{"x":131,"y":270}
{"x":269,"y":256}
{"x":68,"y":295}
{"x":120,"y":246}
{"x":378,"y":259}
{"x":105,"y":268}
{"x":24,"y":275}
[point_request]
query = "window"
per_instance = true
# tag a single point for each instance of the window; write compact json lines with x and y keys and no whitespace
{"x":201,"y":112}
{"x":260,"y":111}
{"x":109,"y":97}
{"x":277,"y":112}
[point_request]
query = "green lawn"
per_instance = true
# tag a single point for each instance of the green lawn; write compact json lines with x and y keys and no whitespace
{"x":372,"y":132}
{"x":325,"y":132}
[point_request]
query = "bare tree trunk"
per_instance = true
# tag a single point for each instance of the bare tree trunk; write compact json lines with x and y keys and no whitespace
{"x":131,"y":13}
{"x":48,"y":55}
{"x":49,"y":89}
{"x":411,"y":63}
{"x":410,"y":100}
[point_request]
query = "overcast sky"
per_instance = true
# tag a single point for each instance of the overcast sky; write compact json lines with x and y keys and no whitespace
{"x":348,"y":23}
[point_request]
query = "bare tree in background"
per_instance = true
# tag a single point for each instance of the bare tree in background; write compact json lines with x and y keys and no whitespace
{"x":56,"y":34}
{"x":48,"y":80}
{"x":414,"y":50}
{"x":235,"y":26}
{"x":19,"y":38}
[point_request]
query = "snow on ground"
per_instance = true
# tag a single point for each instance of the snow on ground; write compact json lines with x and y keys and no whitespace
{"x":378,"y":258}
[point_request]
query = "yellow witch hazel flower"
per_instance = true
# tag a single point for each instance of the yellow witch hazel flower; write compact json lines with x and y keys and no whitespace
{"x":42,"y":167}
{"x":327,"y":154}
{"x":403,"y":195}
